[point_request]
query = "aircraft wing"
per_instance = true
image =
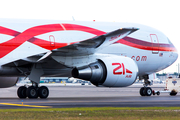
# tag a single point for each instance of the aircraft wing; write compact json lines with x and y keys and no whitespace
{"x":85,"y":47}
{"x":91,"y":45}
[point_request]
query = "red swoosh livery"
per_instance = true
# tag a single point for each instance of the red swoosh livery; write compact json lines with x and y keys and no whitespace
{"x":28,"y":35}
{"x":106,"y":54}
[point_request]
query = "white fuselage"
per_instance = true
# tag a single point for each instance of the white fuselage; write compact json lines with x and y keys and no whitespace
{"x":148,"y":47}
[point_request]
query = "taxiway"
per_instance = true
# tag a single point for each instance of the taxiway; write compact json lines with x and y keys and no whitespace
{"x":89,"y":96}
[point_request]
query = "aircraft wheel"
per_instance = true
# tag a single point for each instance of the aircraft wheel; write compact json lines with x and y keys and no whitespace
{"x":43,"y":92}
{"x":148,"y":91}
{"x":142,"y":92}
{"x":173,"y":93}
{"x":21,"y":92}
{"x":158,"y":93}
{"x":32,"y":92}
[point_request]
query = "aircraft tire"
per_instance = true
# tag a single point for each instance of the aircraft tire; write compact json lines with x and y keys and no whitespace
{"x":43,"y":92}
{"x":172,"y":93}
{"x":21,"y":92}
{"x":142,"y":92}
{"x":158,"y":93}
{"x":32,"y":92}
{"x":148,"y":91}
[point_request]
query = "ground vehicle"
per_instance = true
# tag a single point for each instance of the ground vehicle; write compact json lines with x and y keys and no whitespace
{"x":172,"y":86}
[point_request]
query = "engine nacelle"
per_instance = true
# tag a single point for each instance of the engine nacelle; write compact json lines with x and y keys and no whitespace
{"x":8,"y":81}
{"x":111,"y":71}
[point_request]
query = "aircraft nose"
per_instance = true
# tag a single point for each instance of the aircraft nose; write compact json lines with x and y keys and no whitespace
{"x":175,"y":54}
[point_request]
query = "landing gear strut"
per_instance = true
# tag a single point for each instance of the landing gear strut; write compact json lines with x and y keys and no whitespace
{"x":33,"y":92}
{"x":146,"y":91}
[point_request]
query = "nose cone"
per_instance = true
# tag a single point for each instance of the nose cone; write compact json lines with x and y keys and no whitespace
{"x":175,"y":53}
{"x":172,"y":55}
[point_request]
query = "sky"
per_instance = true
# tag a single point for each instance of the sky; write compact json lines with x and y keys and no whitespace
{"x":163,"y":15}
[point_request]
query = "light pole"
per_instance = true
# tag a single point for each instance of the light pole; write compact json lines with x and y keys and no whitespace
{"x":178,"y":70}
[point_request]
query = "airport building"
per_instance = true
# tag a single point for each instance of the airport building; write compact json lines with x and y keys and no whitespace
{"x":164,"y":76}
{"x":53,"y":80}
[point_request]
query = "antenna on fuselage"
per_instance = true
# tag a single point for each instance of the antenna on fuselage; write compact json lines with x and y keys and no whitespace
{"x":73,"y":18}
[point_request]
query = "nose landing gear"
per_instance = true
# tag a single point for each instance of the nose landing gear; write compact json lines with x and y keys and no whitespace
{"x":146,"y":91}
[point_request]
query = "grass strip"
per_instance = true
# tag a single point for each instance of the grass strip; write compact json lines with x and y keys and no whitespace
{"x":90,"y":109}
{"x":93,"y":113}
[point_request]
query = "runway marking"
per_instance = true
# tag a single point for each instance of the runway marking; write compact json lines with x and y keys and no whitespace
{"x":24,"y":105}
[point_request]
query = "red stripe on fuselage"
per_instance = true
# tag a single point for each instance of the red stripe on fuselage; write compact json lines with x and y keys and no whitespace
{"x":12,"y":44}
{"x":8,"y":31}
{"x":140,"y":44}
{"x":46,"y":44}
{"x":28,"y":35}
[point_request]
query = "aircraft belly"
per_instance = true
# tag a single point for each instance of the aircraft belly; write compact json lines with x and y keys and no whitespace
{"x":57,"y":72}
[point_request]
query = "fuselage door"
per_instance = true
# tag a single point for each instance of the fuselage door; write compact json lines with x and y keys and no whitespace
{"x":52,"y":40}
{"x":155,"y":43}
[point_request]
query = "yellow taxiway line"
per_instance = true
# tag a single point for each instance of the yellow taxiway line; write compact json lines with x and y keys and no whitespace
{"x":22,"y":105}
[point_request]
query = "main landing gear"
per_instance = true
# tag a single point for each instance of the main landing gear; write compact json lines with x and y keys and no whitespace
{"x":33,"y":92}
{"x":146,"y":91}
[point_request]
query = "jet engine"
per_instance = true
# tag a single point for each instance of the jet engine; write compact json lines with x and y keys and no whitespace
{"x":110,"y":71}
{"x":8,"y":81}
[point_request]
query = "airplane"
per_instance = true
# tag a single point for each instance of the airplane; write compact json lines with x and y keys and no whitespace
{"x":108,"y":54}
